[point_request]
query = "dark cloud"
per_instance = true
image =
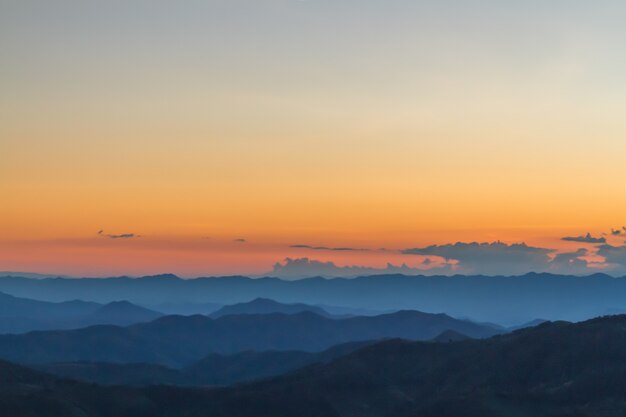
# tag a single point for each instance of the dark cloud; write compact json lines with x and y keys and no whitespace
{"x":584,"y":239}
{"x":240,"y":240}
{"x":616,"y":232}
{"x":326,"y":248}
{"x":570,"y":262}
{"x":613,"y":254}
{"x":123,"y":236}
{"x":496,"y":258}
{"x":120,"y":236}
{"x":305,"y":268}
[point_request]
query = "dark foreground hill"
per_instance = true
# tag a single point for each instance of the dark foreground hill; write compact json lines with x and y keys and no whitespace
{"x":21,"y":315}
{"x":553,"y":370}
{"x":179,"y":341}
{"x":215,"y":369}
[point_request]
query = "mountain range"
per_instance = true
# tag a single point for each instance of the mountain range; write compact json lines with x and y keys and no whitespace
{"x":519,"y":298}
{"x":181,"y":340}
{"x":556,"y":369}
{"x":20,"y":315}
{"x":214,"y":369}
{"x":267,"y":306}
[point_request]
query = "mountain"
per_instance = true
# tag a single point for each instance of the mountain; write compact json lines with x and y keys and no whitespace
{"x":185,"y":309}
{"x":532,"y":323}
{"x":20,"y":315}
{"x":450,"y":336}
{"x":181,"y":340}
{"x":267,"y":306}
{"x":108,"y":373}
{"x":11,"y":306}
{"x":121,"y":313}
{"x":32,"y":275}
{"x":556,"y":369}
{"x":215,"y":369}
{"x":519,"y":298}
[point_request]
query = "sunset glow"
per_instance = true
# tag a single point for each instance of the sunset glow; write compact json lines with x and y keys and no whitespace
{"x":332,"y":124}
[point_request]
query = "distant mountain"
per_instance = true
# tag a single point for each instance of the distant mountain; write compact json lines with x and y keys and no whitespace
{"x":32,"y":275}
{"x":215,"y":369}
{"x":553,"y":370}
{"x":342,"y":311}
{"x":519,"y":299}
{"x":531,"y":323}
{"x":448,"y":336}
{"x":20,"y":315}
{"x":11,"y":306}
{"x":179,"y":341}
{"x":267,"y":306}
{"x":185,"y":309}
{"x":106,"y":373}
{"x":121,"y":313}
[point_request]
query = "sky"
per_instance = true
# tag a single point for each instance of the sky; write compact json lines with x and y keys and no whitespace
{"x":222,"y":137}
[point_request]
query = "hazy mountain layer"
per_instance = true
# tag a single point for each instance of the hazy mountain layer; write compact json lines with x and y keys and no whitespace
{"x":267,"y":306}
{"x":179,"y":341}
{"x":555,"y":369}
{"x":215,"y":369}
{"x":20,"y":315}
{"x":504,"y":300}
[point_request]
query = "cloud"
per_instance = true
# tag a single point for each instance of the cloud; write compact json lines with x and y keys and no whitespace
{"x":571,"y":262}
{"x":615,"y":255}
{"x":584,"y":239}
{"x":305,"y":268}
{"x":616,"y":232}
{"x":123,"y":236}
{"x":120,"y":236}
{"x":496,"y":258}
{"x":325,"y":248}
{"x":240,"y":240}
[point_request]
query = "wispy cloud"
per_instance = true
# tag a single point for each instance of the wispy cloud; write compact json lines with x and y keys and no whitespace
{"x":588,"y":238}
{"x":571,"y":262}
{"x":326,"y":248}
{"x":305,"y":268}
{"x":120,"y":236}
{"x":615,"y":255}
{"x":489,"y":258}
{"x":240,"y":240}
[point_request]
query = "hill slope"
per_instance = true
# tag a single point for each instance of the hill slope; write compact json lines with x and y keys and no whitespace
{"x":267,"y":306}
{"x":21,"y":315}
{"x":121,"y":313}
{"x":520,"y":298}
{"x":553,"y":370}
{"x":178,"y":341}
{"x":215,"y":369}
{"x":11,"y":306}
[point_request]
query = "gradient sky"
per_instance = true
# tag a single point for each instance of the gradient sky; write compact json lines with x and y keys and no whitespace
{"x":338,"y":123}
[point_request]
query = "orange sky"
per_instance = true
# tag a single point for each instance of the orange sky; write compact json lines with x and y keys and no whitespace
{"x":318,"y":123}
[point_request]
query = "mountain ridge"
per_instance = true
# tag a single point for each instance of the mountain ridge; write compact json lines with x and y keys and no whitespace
{"x":562,"y":297}
{"x":180,"y":340}
{"x":556,"y":369}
